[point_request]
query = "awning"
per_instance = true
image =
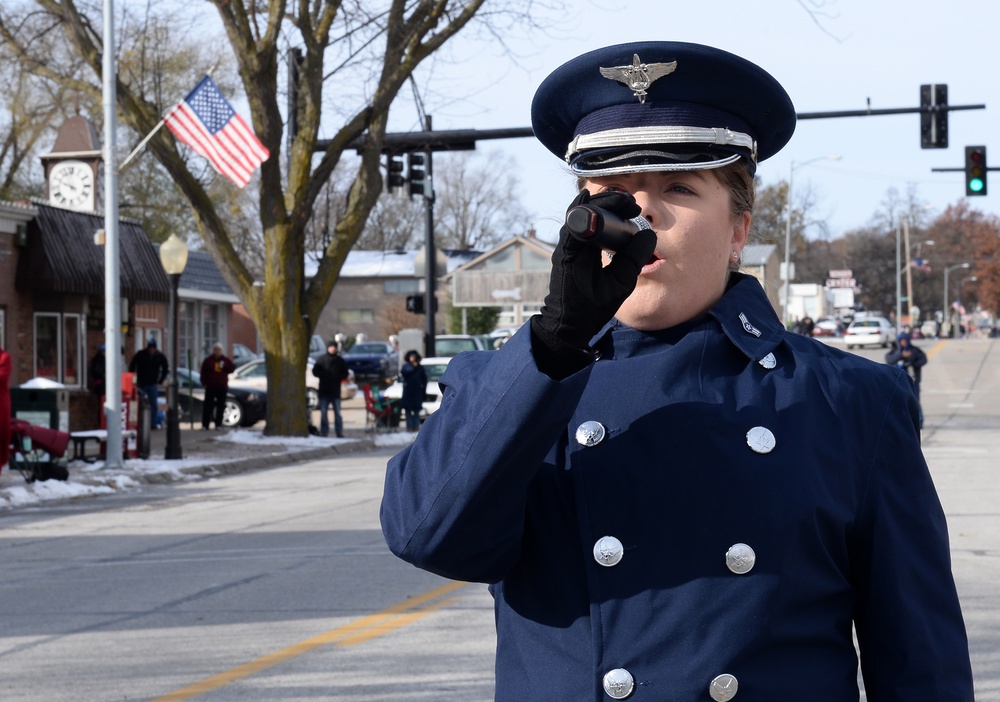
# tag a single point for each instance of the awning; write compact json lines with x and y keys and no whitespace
{"x":60,"y":256}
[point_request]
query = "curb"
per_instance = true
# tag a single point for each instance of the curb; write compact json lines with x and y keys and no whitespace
{"x":229,"y":466}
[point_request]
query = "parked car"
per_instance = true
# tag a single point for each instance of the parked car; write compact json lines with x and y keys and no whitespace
{"x":828,"y":326}
{"x":454,"y":344}
{"x":435,"y":368}
{"x":317,"y":346}
{"x":373,"y":362}
{"x":242,"y":354}
{"x":244,"y":406}
{"x":870,"y":331}
{"x":254,"y":375}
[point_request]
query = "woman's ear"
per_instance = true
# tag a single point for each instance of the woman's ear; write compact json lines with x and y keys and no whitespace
{"x":741,"y":231}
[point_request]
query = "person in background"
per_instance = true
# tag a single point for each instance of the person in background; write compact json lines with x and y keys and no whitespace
{"x":331,"y":369}
{"x":151,"y":369}
{"x":215,"y":370}
{"x":911,"y":359}
{"x":96,"y":372}
{"x":95,"y":378}
{"x":807,"y":326}
{"x":643,"y":476}
{"x":6,"y":369}
{"x":414,"y":389}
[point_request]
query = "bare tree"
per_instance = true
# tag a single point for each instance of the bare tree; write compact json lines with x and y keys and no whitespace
{"x":368,"y":51}
{"x":478,"y":206}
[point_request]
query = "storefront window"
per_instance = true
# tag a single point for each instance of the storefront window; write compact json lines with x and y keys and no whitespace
{"x":46,"y":355}
{"x":185,"y":332}
{"x":71,"y":350}
{"x":209,"y":328}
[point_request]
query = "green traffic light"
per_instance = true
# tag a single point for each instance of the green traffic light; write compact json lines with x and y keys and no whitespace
{"x":976,"y":185}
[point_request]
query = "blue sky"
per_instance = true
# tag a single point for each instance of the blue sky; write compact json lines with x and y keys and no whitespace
{"x":878,"y":49}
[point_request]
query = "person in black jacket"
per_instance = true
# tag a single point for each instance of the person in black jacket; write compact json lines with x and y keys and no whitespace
{"x":911,"y":359}
{"x":331,"y":370}
{"x":151,"y":369}
{"x":414,"y":389}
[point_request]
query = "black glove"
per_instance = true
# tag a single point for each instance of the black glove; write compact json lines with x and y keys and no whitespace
{"x":583,"y":295}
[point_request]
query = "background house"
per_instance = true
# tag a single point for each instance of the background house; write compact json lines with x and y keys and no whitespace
{"x":761,"y":261}
{"x":370,"y":295}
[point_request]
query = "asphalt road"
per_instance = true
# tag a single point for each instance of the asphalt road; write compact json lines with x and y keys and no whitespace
{"x":276,"y":584}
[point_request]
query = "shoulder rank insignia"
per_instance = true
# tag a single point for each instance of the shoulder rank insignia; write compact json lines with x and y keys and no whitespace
{"x":639,"y":76}
{"x":747,"y":326}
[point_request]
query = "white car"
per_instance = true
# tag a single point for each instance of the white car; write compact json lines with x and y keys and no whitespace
{"x":454,"y":344}
{"x":869,"y":331}
{"x":435,"y":368}
{"x":254,"y":375}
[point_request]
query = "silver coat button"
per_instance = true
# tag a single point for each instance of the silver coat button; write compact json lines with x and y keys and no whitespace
{"x":740,"y":559}
{"x":769,"y":361}
{"x":723,"y":687}
{"x":761,"y":440}
{"x":618,"y":683}
{"x":590,"y":433}
{"x":608,"y":551}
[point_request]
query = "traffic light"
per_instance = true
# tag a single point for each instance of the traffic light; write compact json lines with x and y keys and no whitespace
{"x":394,"y":172}
{"x":417,"y":175}
{"x":934,"y":116}
{"x":415,"y":304}
{"x":975,"y":170}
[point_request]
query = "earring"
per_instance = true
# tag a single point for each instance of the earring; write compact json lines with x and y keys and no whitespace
{"x":736,"y":254}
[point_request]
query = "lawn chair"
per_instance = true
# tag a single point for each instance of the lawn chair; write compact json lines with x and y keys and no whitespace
{"x":380,"y":414}
{"x":35,"y":452}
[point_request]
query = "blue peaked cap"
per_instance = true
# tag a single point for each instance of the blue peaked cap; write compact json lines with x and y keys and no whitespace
{"x":660,"y":105}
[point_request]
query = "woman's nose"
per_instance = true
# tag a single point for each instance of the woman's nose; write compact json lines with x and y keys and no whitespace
{"x":649,"y":210}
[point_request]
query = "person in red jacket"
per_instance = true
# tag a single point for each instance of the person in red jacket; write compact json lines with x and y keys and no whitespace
{"x":6,"y":368}
{"x":215,"y":370}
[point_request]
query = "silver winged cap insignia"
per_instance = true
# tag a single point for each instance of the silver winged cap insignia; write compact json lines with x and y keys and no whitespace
{"x":639,"y":76}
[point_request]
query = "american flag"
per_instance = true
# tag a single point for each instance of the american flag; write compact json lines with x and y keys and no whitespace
{"x":206,"y":122}
{"x":921,"y":265}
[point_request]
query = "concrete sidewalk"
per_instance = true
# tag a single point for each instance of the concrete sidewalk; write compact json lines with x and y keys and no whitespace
{"x":205,"y":454}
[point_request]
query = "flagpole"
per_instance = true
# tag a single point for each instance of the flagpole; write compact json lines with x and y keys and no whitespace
{"x":142,"y":143}
{"x":112,"y":282}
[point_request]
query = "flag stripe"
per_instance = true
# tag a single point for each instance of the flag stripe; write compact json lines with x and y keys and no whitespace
{"x":193,"y":133}
{"x":206,"y":122}
{"x":205,"y":144}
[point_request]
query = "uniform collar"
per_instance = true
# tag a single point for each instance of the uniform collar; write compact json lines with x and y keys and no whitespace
{"x":747,"y":317}
{"x":744,"y":313}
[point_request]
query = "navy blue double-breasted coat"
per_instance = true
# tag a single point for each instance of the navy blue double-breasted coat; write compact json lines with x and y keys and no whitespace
{"x":701,"y":514}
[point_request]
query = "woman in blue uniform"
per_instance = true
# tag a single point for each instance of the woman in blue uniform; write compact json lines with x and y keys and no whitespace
{"x":643,"y":474}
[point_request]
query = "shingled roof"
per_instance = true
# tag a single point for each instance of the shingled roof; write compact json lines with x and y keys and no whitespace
{"x":61,"y":257}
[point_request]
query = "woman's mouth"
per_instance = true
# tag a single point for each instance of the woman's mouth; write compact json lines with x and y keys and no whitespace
{"x":652,"y":264}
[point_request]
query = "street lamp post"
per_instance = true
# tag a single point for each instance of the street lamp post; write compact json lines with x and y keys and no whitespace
{"x":908,"y":266}
{"x":946,"y":316}
{"x":961,"y":283}
{"x":173,"y":256}
{"x":788,"y":229}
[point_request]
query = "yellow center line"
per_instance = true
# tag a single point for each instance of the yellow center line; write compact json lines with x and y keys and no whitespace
{"x":935,"y":348}
{"x":359,"y":631}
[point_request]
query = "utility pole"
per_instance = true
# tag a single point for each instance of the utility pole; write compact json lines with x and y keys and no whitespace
{"x":430,"y":282}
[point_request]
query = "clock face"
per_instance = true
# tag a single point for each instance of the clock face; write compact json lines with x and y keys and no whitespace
{"x":71,"y":185}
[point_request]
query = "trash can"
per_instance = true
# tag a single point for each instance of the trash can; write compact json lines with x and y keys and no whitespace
{"x":43,"y":407}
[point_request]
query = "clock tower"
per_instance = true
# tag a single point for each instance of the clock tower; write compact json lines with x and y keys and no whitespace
{"x":73,"y":168}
